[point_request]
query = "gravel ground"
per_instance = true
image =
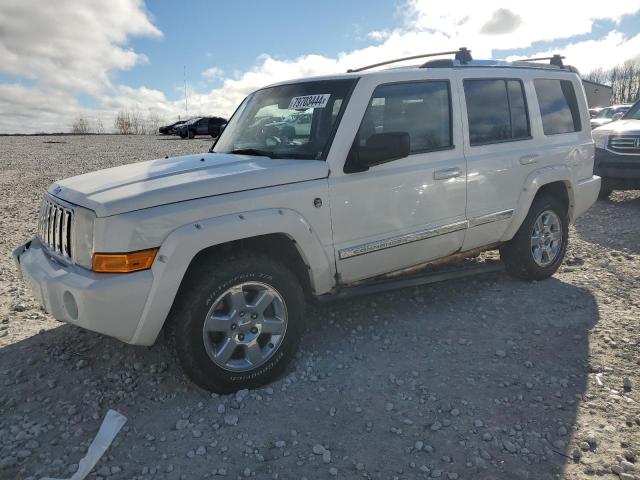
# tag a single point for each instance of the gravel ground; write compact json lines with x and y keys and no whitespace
{"x":481,"y":378}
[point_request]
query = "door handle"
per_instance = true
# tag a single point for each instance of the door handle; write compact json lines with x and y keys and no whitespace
{"x":529,"y":159}
{"x":447,"y":173}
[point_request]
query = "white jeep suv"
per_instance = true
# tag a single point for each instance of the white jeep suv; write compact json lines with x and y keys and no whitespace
{"x":398,"y":168}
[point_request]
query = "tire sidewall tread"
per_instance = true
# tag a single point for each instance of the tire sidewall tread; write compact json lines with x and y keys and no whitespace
{"x":204,"y":284}
{"x":516,"y":253}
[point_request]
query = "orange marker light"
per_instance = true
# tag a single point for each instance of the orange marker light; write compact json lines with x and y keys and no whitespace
{"x":123,"y":262}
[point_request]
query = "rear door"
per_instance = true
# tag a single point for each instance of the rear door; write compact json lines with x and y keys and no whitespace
{"x":500,"y":147}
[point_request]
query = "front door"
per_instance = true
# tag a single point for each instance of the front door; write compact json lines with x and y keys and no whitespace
{"x":407,"y":211}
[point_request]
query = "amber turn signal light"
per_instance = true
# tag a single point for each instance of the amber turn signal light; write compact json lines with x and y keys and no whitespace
{"x":123,"y":262}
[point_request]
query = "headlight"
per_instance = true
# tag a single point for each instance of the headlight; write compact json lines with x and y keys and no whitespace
{"x":599,"y":139}
{"x":83,"y":236}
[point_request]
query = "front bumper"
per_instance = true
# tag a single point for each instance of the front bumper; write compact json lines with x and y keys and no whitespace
{"x":618,"y":171}
{"x":111,"y":304}
{"x":586,"y":194}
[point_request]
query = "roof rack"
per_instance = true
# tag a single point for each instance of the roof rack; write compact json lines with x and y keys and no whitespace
{"x":463,"y":55}
{"x":554,"y":60}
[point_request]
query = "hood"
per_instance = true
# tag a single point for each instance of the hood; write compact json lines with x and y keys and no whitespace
{"x":169,"y":180}
{"x":597,"y":122}
{"x":621,"y":126}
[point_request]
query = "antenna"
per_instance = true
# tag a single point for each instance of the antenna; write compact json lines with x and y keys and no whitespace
{"x":186,"y":106}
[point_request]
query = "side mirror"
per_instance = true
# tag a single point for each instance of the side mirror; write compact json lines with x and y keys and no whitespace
{"x":617,"y":116}
{"x":380,"y":148}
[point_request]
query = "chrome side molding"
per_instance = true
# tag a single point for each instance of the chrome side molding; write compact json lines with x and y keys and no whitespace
{"x":423,"y":234}
{"x":491,"y":217}
{"x":401,"y":240}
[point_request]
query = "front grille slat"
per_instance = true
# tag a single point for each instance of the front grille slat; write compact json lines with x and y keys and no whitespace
{"x":55,"y":228}
{"x":50,"y":224}
{"x":625,"y":143}
{"x":63,"y":233}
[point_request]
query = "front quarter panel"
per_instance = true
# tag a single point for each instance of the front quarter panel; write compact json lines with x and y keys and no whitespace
{"x":181,"y":246}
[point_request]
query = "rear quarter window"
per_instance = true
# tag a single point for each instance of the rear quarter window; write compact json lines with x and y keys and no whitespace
{"x":558,"y":106}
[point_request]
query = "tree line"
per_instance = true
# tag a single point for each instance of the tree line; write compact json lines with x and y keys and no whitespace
{"x":126,"y":122}
{"x":624,"y":80}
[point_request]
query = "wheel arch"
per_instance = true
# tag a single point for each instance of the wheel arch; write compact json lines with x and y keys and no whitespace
{"x":281,"y":233}
{"x":279,"y":246}
{"x":555,"y":180}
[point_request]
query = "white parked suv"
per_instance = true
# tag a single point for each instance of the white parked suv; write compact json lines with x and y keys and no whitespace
{"x":399,"y":167}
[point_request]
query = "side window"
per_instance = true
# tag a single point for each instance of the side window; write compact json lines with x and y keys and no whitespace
{"x":558,"y":106}
{"x":496,"y":110}
{"x":422,"y":109}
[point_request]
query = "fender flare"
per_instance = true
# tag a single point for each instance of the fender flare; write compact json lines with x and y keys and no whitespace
{"x":536,"y":180}
{"x":184,"y":243}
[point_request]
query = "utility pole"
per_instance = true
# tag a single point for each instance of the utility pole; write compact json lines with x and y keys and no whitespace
{"x":186,"y":106}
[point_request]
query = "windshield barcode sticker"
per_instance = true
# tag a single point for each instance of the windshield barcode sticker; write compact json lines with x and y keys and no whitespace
{"x":309,"y":101}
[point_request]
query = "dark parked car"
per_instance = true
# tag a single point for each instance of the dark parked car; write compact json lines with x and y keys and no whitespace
{"x":170,"y":129}
{"x":617,"y":158}
{"x":201,"y":126}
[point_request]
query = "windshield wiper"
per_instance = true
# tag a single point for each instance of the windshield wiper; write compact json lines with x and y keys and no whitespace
{"x":252,"y":151}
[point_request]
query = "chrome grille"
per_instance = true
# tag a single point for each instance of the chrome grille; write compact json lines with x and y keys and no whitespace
{"x":55,"y":227}
{"x":626,"y":143}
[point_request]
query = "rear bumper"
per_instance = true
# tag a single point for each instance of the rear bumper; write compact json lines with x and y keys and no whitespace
{"x":111,"y":304}
{"x":617,"y":171}
{"x":586,"y":194}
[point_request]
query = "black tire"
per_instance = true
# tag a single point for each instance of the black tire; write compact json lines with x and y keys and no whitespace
{"x":605,"y":192}
{"x":192,"y":134}
{"x":517,"y":253}
{"x":206,"y":281}
{"x":183,"y":135}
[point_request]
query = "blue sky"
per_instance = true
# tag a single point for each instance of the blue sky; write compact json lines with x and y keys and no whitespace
{"x":64,"y":60}
{"x":203,"y":34}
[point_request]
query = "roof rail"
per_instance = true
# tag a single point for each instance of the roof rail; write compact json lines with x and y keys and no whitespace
{"x":554,"y":60}
{"x":463,"y":55}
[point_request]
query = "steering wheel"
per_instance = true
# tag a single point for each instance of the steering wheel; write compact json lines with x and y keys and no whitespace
{"x":272,"y":141}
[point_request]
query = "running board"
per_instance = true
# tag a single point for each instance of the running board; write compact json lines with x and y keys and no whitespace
{"x":384,"y":285}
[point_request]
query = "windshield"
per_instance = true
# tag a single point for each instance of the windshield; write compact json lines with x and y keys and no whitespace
{"x":287,"y":121}
{"x":634,"y":112}
{"x":192,"y":121}
{"x":606,"y":113}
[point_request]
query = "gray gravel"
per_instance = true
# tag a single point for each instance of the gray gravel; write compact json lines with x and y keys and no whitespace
{"x":483,"y":378}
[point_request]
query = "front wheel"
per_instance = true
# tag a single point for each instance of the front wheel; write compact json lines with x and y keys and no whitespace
{"x":536,"y":251}
{"x":237,"y":322}
{"x":192,"y":134}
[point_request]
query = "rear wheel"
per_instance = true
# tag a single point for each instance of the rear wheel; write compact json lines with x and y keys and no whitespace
{"x":237,"y":322}
{"x":605,"y":192}
{"x":537,"y":249}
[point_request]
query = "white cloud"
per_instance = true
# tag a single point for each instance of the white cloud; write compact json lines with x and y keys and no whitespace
{"x":213,"y":72}
{"x":69,"y":44}
{"x":88,"y":41}
{"x":603,"y":53}
{"x":379,"y":35}
{"x":31,"y":109}
{"x":502,"y":21}
{"x":541,"y":20}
